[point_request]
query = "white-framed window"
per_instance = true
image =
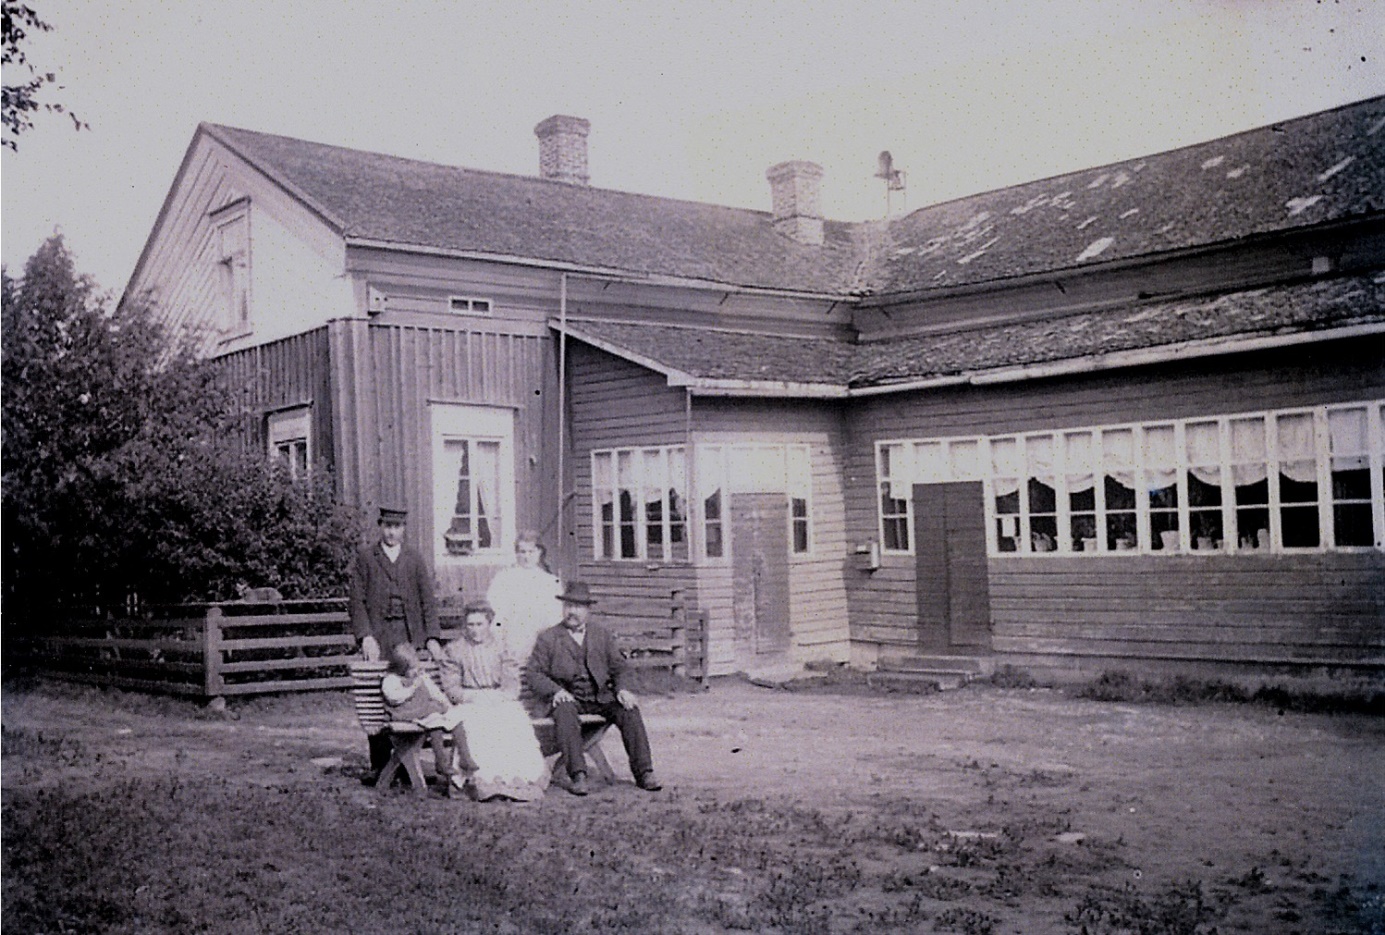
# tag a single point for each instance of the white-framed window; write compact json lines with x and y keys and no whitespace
{"x":469,"y":305}
{"x":231,"y":243}
{"x":473,"y":483}
{"x":641,"y":498}
{"x":289,"y":438}
{"x":640,"y":504}
{"x":1283,"y":480}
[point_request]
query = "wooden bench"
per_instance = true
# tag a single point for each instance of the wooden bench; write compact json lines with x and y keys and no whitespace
{"x":407,"y":739}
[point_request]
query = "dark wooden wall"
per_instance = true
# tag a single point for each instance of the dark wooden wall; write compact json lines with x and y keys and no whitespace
{"x":270,"y":377}
{"x":1324,"y":607}
{"x":616,"y":404}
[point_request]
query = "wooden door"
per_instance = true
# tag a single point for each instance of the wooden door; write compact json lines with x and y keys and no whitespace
{"x":760,"y":572}
{"x":953,"y":585}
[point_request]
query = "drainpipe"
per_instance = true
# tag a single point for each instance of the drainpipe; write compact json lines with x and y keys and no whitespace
{"x":562,"y":407}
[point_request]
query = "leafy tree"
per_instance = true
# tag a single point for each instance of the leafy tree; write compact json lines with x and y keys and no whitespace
{"x":21,"y":101}
{"x":125,"y":467}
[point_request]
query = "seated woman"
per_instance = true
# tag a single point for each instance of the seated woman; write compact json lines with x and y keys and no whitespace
{"x":412,"y":697}
{"x":500,"y":755}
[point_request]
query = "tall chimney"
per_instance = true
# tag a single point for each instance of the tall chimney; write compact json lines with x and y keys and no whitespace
{"x":563,"y":149}
{"x":793,"y":189}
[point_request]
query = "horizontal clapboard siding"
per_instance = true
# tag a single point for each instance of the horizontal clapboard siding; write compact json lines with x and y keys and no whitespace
{"x":1243,"y":607}
{"x":817,"y":589}
{"x":616,"y":404}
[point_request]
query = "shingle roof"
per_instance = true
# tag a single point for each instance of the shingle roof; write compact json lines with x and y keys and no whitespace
{"x":411,"y":203}
{"x":1325,"y":167}
{"x":1280,"y":310}
{"x":715,"y":355}
{"x":1315,"y":169}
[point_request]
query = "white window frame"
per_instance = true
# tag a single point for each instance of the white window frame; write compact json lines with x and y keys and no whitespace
{"x":666,"y":463}
{"x":287,"y":432}
{"x":929,"y":460}
{"x":473,"y":425}
{"x":470,"y":305}
{"x":233,"y":270}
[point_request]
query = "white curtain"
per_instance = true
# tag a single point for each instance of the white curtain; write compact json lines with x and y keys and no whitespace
{"x":1006,"y":466}
{"x":1297,"y":447}
{"x":1203,"y":443}
{"x":486,"y":476}
{"x":1079,"y":461}
{"x":1161,"y":457}
{"x":1247,"y":451}
{"x":1118,"y":456}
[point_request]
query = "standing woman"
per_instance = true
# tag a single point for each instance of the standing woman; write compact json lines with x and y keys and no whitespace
{"x":523,"y":596}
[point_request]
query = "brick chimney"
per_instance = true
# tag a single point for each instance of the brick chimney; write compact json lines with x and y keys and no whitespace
{"x":793,"y":189}
{"x":563,"y":149}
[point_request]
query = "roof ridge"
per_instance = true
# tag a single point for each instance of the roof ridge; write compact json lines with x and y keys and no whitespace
{"x":499,"y":174}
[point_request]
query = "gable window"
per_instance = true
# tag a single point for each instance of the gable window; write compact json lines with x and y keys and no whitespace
{"x":1288,"y":480}
{"x":473,"y":476}
{"x":289,"y":434}
{"x":231,"y":243}
{"x":469,"y":305}
{"x":639,"y":504}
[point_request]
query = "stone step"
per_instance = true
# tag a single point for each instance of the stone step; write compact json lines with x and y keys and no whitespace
{"x":916,"y":678}
{"x":967,"y":665}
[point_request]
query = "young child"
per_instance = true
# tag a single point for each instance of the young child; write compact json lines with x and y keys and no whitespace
{"x":412,"y":697}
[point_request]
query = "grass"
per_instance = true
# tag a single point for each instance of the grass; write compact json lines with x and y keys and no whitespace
{"x":216,"y":857}
{"x":1317,"y":697}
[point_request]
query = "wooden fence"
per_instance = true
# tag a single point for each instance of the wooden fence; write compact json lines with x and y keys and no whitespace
{"x":236,"y":648}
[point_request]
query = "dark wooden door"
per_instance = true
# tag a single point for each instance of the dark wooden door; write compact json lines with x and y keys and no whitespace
{"x":760,"y":571}
{"x":953,"y":585}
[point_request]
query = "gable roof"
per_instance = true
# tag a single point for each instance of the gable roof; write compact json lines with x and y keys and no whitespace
{"x":409,"y":203}
{"x":1318,"y":169}
{"x":721,"y":362}
{"x":1312,"y":170}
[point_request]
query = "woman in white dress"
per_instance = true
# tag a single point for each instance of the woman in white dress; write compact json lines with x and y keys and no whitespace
{"x":500,"y":755}
{"x":525,"y":597}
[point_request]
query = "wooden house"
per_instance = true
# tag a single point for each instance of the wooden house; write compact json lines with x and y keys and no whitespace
{"x":1127,"y":415}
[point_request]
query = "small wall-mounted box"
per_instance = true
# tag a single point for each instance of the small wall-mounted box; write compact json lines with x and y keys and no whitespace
{"x":867,"y":556}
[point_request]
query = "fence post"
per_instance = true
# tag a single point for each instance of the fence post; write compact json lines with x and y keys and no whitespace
{"x":211,"y":653}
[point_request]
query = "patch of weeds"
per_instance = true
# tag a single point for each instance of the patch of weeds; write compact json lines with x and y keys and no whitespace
{"x":1008,"y":676}
{"x":1318,"y":698}
{"x":1179,"y":909}
{"x":23,"y":742}
{"x":964,"y":920}
{"x":926,"y":883}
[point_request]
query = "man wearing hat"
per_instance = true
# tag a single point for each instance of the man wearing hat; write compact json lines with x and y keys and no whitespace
{"x":577,"y":669}
{"x":392,"y":603}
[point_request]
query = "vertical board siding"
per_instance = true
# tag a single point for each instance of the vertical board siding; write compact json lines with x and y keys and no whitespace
{"x":387,"y":375}
{"x":292,"y":372}
{"x":1137,"y":606}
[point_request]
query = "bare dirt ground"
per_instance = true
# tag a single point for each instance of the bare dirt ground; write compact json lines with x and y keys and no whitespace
{"x":979,"y":810}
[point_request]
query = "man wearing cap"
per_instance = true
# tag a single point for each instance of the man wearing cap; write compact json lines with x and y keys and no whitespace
{"x":577,"y":669}
{"x":392,"y":603}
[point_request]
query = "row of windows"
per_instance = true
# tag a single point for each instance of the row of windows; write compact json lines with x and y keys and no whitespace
{"x":641,"y":497}
{"x":1272,"y":481}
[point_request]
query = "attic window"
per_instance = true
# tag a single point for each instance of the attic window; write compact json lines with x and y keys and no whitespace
{"x":469,"y":305}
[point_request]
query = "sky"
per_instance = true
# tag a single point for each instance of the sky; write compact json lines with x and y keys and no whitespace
{"x":686,"y":100}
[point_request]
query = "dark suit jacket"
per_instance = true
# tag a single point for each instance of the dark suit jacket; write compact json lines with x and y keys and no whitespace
{"x":558,"y":662}
{"x":373,"y":576}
